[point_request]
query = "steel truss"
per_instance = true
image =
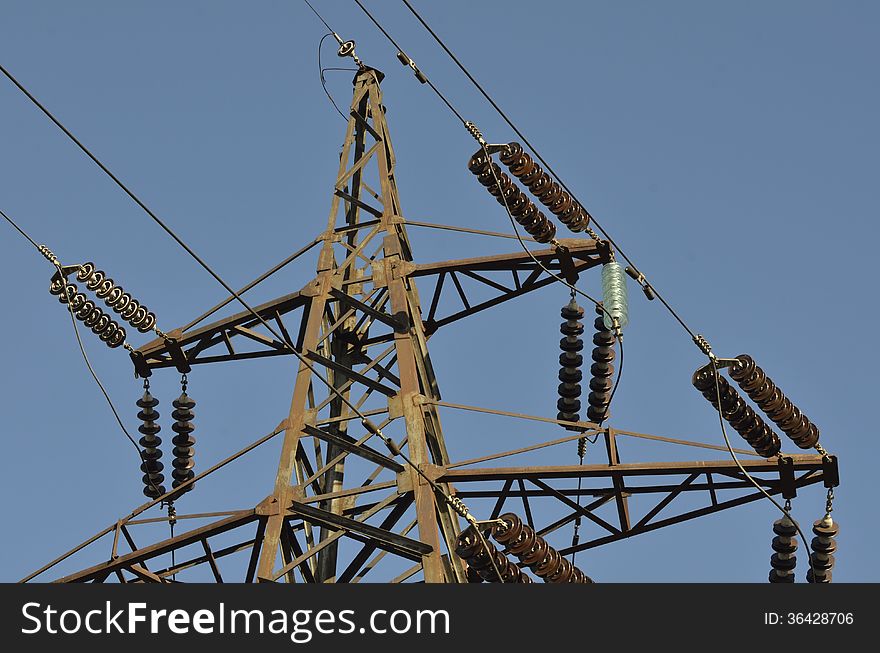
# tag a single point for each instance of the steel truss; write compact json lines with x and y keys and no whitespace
{"x":341,"y":503}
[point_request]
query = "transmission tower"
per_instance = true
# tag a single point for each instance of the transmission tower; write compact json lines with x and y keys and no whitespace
{"x":341,"y":501}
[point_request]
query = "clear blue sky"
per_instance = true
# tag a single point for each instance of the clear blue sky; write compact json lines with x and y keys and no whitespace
{"x":731,"y":148}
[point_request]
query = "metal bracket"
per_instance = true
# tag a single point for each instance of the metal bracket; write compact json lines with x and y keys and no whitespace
{"x":141,"y":368}
{"x":178,"y":357}
{"x":830,"y":472}
{"x":786,"y":477}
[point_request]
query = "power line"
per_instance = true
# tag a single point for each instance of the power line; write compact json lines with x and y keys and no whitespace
{"x":411,"y":63}
{"x":324,"y":81}
{"x":321,"y":18}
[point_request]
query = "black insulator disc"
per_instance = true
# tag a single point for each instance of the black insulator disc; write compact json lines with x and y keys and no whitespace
{"x":510,"y":152}
{"x":743,"y":369}
{"x":147,"y":401}
{"x":601,"y":384}
{"x":823,"y":529}
{"x":603,"y":354}
{"x":156,"y":479}
{"x":130,"y":309}
{"x":523,"y":166}
{"x":819,"y":578}
{"x":570,"y":375}
{"x":822,"y":562}
{"x":570,"y":343}
{"x":777,"y":577}
{"x":154,"y":493}
{"x":810,"y":441}
{"x":152,"y":466}
{"x":541,"y":184}
{"x":597,"y":414}
{"x":572,"y":328}
{"x":95,"y":279}
{"x":509,"y":532}
{"x":552,"y":196}
{"x":183,"y":462}
{"x":523,"y":543}
{"x":570,"y":359}
{"x":182,"y":415}
{"x":824,"y":545}
{"x":183,"y":427}
{"x":183,"y":452}
{"x":149,"y":428}
{"x":478,"y":162}
{"x":601,"y":369}
{"x":569,"y":390}
{"x":184,"y":401}
{"x":182,"y":475}
{"x":599,"y":400}
{"x":785,"y":527}
{"x":151,"y":452}
{"x":783,"y":564}
{"x":567,"y":405}
{"x":183,"y":441}
{"x":562,"y":204}
{"x":537,"y":553}
{"x":468,"y":544}
{"x":784,"y":544}
{"x":549,"y":564}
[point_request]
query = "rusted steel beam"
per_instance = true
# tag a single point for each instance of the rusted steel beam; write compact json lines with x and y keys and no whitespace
{"x":801,"y":462}
{"x":211,"y":332}
{"x":357,"y":376}
{"x":347,"y":443}
{"x":394,"y":543}
{"x":584,"y":250}
{"x":153,"y":550}
{"x":687,"y":516}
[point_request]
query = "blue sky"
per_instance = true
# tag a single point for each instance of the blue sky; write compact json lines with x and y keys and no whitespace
{"x":730,"y":148}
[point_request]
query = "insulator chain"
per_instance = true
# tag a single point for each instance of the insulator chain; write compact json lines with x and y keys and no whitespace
{"x":570,"y":361}
{"x":116,"y":298}
{"x":533,"y":550}
{"x":85,"y":310}
{"x":479,"y":555}
{"x":783,"y":560}
{"x":823,"y":546}
{"x":183,"y":441}
{"x":737,"y":412}
{"x":601,"y":371}
{"x":542,"y":186}
{"x":773,"y":402}
{"x":151,"y":453}
{"x":500,"y":186}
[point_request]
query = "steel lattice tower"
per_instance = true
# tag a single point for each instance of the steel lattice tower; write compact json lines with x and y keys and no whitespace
{"x":362,"y":324}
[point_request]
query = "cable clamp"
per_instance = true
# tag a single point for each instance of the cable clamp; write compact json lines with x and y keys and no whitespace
{"x":406,"y":61}
{"x":639,"y":278}
{"x":474,"y":131}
